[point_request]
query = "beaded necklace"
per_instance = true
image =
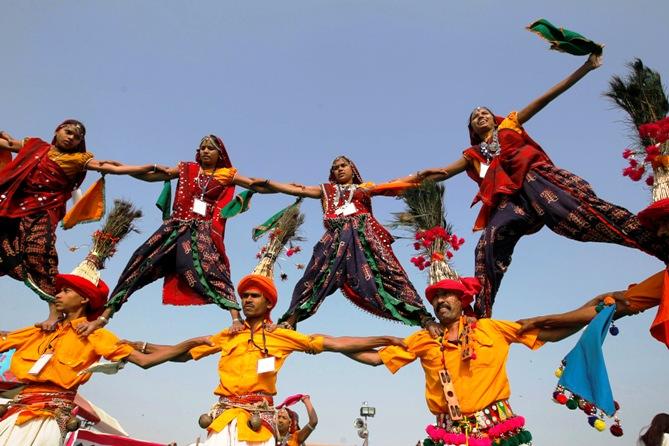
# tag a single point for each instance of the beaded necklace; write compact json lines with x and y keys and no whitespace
{"x":491,"y":149}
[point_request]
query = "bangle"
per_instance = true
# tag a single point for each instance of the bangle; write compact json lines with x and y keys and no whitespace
{"x":143,"y":349}
{"x":103,"y":319}
{"x":236,"y":320}
{"x":155,"y":168}
{"x":310,"y":427}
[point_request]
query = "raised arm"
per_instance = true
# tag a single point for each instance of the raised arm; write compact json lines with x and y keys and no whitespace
{"x":594,"y":61}
{"x":9,"y":143}
{"x":149,"y":355}
{"x":297,"y":190}
{"x":304,"y":433}
{"x":352,"y":344}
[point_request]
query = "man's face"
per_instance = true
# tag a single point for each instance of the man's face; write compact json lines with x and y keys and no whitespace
{"x":254,"y":303}
{"x":447,"y":306}
{"x":67,"y":300}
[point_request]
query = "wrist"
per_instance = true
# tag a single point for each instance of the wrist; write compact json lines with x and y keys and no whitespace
{"x":143,"y":347}
{"x":102,"y":320}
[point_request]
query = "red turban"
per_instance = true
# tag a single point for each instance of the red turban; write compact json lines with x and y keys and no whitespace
{"x":649,"y":217}
{"x":466,"y":287}
{"x":96,"y":295}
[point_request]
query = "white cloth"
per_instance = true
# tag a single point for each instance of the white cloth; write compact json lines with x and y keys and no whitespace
{"x":36,"y":432}
{"x":665,"y":440}
{"x":228,"y":437}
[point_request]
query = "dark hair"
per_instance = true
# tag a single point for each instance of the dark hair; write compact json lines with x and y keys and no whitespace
{"x":658,"y":427}
{"x":474,"y":138}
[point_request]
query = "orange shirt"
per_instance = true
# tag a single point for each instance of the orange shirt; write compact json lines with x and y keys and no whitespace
{"x":238,"y":371}
{"x":71,"y":353}
{"x":71,"y":163}
{"x":478,"y":382}
{"x":654,"y":291}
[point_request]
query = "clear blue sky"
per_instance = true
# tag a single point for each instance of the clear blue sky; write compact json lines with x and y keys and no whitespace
{"x":289,"y":85}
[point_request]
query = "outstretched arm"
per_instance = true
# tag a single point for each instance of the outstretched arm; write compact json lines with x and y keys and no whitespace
{"x":594,"y":61}
{"x":579,"y":317}
{"x":117,"y":168}
{"x":162,"y":173}
{"x":297,"y":190}
{"x":254,"y":184}
{"x":352,"y":344}
{"x":304,"y":433}
{"x":149,"y":355}
{"x":438,"y":173}
{"x":370,"y":357}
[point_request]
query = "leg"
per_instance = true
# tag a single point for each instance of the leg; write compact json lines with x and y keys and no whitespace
{"x":512,"y":219}
{"x":572,"y":209}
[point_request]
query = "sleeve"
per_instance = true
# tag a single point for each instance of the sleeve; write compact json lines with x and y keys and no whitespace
{"x":201,"y":351}
{"x":85,"y":158}
{"x":647,"y":294}
{"x":16,"y":339}
{"x":106,"y":344}
{"x":395,"y":357}
{"x":509,"y":331}
{"x":225,"y":174}
{"x":511,"y":122}
{"x":295,"y":341}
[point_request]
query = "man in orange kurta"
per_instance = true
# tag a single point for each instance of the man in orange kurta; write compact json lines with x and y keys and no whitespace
{"x":53,"y":364}
{"x":250,"y":362}
{"x":466,"y":385}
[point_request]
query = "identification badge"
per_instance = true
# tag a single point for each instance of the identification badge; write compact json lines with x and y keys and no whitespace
{"x":483,"y":170}
{"x":266,"y":364}
{"x":346,"y":210}
{"x":200,"y":207}
{"x":40,"y":363}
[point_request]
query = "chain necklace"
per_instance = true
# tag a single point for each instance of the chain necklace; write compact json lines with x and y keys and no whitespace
{"x":492,"y":149}
{"x":340,"y":190}
{"x":203,"y":187}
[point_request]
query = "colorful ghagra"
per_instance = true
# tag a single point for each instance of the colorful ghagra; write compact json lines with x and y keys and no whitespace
{"x":34,"y":189}
{"x":522,"y":191}
{"x":355,"y":255}
{"x":187,"y":250}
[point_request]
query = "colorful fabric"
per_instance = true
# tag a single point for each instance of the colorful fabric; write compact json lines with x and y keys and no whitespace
{"x":495,"y":424}
{"x":34,"y":183}
{"x":650,"y":293}
{"x":584,"y":371}
{"x":71,"y":353}
{"x":229,"y":436}
{"x":28,"y":252}
{"x":654,"y":213}
{"x":355,"y":255}
{"x":564,"y":40}
{"x":95,"y":293}
{"x":238,"y":205}
{"x":522,"y":191}
{"x":238,"y":366}
{"x":479,"y":381}
{"x":187,"y":250}
{"x":164,"y":201}
{"x":89,"y":208}
{"x":241,"y":408}
{"x":72,"y":163}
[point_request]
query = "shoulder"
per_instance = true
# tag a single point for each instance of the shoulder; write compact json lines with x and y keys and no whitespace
{"x":511,"y":123}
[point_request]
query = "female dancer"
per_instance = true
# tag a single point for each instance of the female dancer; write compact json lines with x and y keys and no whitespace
{"x":353,"y":255}
{"x":187,"y":250}
{"x":34,"y":188}
{"x":521,"y":190}
{"x":287,"y":422}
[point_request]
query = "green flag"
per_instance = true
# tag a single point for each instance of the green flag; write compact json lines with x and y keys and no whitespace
{"x":564,"y":40}
{"x":164,"y":202}
{"x":262,"y":228}
{"x":237,"y":205}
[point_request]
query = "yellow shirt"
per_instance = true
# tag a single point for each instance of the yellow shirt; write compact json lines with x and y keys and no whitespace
{"x":71,"y":163}
{"x":478,"y":382}
{"x":71,"y":353}
{"x":224,"y":175}
{"x":238,"y":369}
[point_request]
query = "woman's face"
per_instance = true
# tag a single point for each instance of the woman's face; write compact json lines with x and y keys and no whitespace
{"x":482,"y":121}
{"x":283,"y":421}
{"x":68,"y":137}
{"x":208,"y":154}
{"x":342,"y":170}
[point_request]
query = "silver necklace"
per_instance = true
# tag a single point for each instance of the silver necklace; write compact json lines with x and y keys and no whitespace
{"x":492,"y":149}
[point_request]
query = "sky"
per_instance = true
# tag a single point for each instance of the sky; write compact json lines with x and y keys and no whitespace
{"x":289,"y":86}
